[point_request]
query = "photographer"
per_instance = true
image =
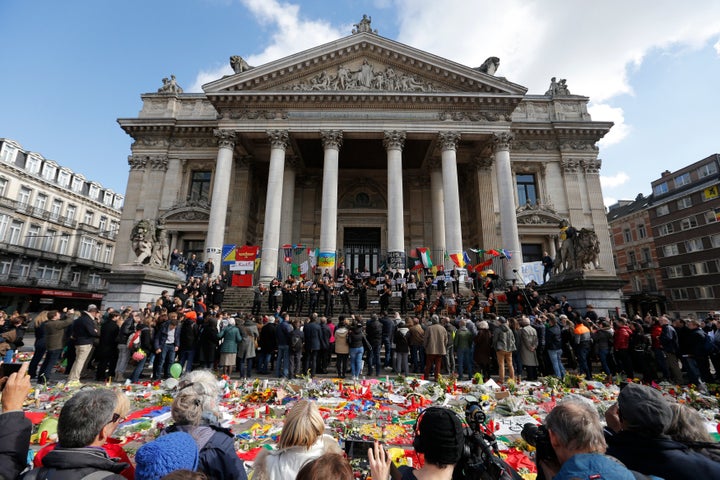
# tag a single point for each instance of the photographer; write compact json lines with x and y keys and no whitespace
{"x":576,"y":445}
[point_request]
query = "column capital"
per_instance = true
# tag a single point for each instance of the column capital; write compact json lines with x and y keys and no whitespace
{"x":483,"y":162}
{"x":501,"y":141}
{"x":591,"y":165}
{"x":137,"y":162}
{"x":279,"y":138}
{"x":569,"y":165}
{"x":449,"y":140}
{"x":159,"y":162}
{"x":394,"y":140}
{"x":331,"y":139}
{"x":225,"y":138}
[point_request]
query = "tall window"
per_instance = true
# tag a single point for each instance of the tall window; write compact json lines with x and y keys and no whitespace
{"x":48,"y":171}
{"x":632,"y":260}
{"x":89,"y":217}
{"x":94,"y":191}
{"x":527,"y":191}
{"x":102,"y":225}
{"x":75,"y":279}
{"x":56,"y":209}
{"x":3,"y":186}
{"x":77,"y":184}
{"x":86,"y":248}
{"x":95,"y":280}
{"x":642,"y":233}
{"x":200,"y":186}
{"x":15,"y":230}
{"x":627,"y":235}
{"x":48,"y":240}
{"x":32,"y":164}
{"x":63,"y":178}
{"x":23,"y":197}
{"x":4,"y":221}
{"x":63,"y":244}
{"x":646,"y":255}
{"x":6,"y":267}
{"x":108,"y":254}
{"x":41,"y":201}
{"x":8,"y":153}
{"x":70,"y":212}
{"x":24,"y":270}
{"x":31,"y":237}
{"x":108,"y":197}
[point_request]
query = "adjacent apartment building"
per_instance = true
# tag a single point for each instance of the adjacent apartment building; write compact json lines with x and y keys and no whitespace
{"x":684,"y":214}
{"x":57,"y":233}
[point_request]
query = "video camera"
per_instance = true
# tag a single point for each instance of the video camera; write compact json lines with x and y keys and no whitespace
{"x":481,"y":459}
{"x":538,"y":437}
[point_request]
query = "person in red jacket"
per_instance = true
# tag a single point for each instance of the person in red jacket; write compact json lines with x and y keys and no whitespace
{"x":621,"y":344}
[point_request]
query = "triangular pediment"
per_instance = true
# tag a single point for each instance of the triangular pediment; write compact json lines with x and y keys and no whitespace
{"x":364,"y":62}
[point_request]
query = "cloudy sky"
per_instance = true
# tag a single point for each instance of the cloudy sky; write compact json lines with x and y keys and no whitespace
{"x":70,"y":69}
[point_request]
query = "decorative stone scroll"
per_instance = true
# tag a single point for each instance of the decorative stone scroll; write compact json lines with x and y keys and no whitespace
{"x":331,"y":138}
{"x":137,"y":162}
{"x":367,"y":77}
{"x":475,"y":116}
{"x":501,"y":141}
{"x":225,"y":138}
{"x":159,"y":162}
{"x":569,"y":165}
{"x":449,"y":140}
{"x":591,"y":165}
{"x":279,"y":138}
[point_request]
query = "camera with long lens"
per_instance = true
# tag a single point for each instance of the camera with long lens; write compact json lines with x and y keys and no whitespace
{"x":481,"y":459}
{"x":538,"y":437}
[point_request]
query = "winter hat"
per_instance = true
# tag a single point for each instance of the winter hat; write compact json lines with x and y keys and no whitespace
{"x":439,"y":436}
{"x":167,"y":453}
{"x":643,"y":408}
{"x":502,"y":319}
{"x":484,"y":325}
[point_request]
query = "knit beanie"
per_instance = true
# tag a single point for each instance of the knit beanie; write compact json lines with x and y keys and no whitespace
{"x":167,"y":453}
{"x":440,"y":436}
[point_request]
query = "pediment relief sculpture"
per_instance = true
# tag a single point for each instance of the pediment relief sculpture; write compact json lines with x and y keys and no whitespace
{"x":367,"y":76}
{"x":537,"y":214}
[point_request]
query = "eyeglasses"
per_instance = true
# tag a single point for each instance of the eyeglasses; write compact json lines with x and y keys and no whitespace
{"x":117,"y":418}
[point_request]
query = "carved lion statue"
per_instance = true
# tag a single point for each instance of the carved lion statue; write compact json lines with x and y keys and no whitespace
{"x":143,"y":240}
{"x":580,"y":249}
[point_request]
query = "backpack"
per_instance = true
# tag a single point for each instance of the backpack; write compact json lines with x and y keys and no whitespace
{"x":134,"y":341}
{"x":296,"y":343}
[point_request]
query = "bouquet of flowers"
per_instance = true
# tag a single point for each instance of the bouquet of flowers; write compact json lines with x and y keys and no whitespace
{"x":138,"y":355}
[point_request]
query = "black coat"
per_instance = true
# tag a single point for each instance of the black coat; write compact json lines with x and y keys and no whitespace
{"x":74,"y":463}
{"x":313,"y":336}
{"x":374,"y":332}
{"x":15,"y":431}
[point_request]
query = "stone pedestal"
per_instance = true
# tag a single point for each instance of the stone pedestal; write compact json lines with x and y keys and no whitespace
{"x":594,"y":287}
{"x":132,"y":285}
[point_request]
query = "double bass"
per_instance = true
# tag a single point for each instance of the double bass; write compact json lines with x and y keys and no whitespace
{"x":419,"y":306}
{"x":434,"y":306}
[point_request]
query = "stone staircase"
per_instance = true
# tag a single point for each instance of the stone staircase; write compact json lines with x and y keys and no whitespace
{"x":240,"y":299}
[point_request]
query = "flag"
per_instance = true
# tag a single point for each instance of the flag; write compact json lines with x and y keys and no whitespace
{"x":717,"y":214}
{"x":424,"y":254}
{"x":288,"y":253}
{"x":458,"y":259}
{"x":506,"y":253}
{"x":493,"y":252}
{"x":312,"y":256}
{"x":482,"y":265}
{"x":447,"y":257}
{"x":477,"y":251}
{"x":466,"y":258}
{"x":295,"y":270}
{"x":304,"y":267}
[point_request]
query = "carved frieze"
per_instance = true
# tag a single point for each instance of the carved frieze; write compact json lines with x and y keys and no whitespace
{"x":542,"y":213}
{"x":474,"y":116}
{"x":331,"y":138}
{"x":367,"y":77}
{"x":137,"y":162}
{"x":145,"y":141}
{"x":248,"y":114}
{"x":180,"y":142}
{"x":394,"y":140}
{"x":534,"y":145}
{"x":159,"y":162}
{"x":449,"y":140}
{"x":569,"y":165}
{"x":581,"y":145}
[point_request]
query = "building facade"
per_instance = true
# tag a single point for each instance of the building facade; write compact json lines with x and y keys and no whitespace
{"x":636,"y":258}
{"x":685,"y":213}
{"x":364,"y":148}
{"x":57,"y":232}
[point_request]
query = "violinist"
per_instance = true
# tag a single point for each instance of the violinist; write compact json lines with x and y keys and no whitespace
{"x":314,"y":294}
{"x":259,"y":292}
{"x":345,"y":290}
{"x":452,"y":305}
{"x":411,"y":287}
{"x":490,"y":307}
{"x":273,"y":294}
{"x":361,"y":291}
{"x":474,"y":302}
{"x":428,"y":286}
{"x":385,"y":295}
{"x":403,"y":298}
{"x":438,"y":305}
{"x":300,"y":297}
{"x":421,"y":305}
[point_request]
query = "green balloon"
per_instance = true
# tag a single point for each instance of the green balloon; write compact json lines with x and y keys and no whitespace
{"x":175,"y":370}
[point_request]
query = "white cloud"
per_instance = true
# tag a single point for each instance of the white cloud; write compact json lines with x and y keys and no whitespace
{"x":616,"y":180}
{"x":717,"y":47}
{"x":606,"y":113}
{"x":291,"y":34}
{"x":609,"y":201}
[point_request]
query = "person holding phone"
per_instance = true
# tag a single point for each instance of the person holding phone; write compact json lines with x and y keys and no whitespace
{"x":15,"y":428}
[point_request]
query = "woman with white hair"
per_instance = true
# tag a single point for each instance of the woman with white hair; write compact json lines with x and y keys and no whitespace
{"x":195,"y":411}
{"x":302,"y":440}
{"x":528,"y":346}
{"x":231,"y":339}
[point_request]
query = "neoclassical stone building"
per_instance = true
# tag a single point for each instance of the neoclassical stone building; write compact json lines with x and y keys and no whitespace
{"x":365,"y":148}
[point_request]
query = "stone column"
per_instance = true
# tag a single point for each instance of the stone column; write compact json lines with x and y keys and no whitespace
{"x":453,"y":228}
{"x":506,"y":195}
{"x":273,"y":202}
{"x":332,"y":141}
{"x":438,"y":206}
{"x":485,"y":210}
{"x":394,"y":142}
{"x":288,"y":201}
{"x":221,"y":191}
{"x":591,"y":168}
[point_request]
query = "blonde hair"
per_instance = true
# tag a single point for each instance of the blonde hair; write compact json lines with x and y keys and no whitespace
{"x":41,"y":318}
{"x":303,"y":426}
{"x":123,"y":404}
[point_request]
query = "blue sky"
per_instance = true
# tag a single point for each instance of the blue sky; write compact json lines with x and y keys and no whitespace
{"x":70,"y":69}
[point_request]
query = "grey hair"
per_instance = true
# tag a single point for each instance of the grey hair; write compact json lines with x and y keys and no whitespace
{"x":576,"y":424}
{"x":83,"y":417}
{"x":197,"y":397}
{"x":687,"y":425}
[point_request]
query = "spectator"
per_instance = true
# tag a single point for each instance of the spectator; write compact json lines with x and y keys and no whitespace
{"x":553,"y":344}
{"x":297,"y":344}
{"x":483,"y":349}
{"x":107,"y":351}
{"x":576,"y":437}
{"x":144,"y":325}
{"x":582,"y":340}
{"x":528,"y":346}
{"x":436,"y":338}
{"x":329,"y":465}
{"x":127,"y":328}
{"x":15,"y":429}
{"x":621,"y":345}
{"x":637,"y":436}
{"x":282,"y":336}
{"x":54,"y":336}
{"x":208,"y":342}
{"x":373,"y":331}
{"x":189,"y":335}
{"x":504,"y":344}
{"x":85,"y":332}
{"x":689,"y":427}
{"x":302,"y":440}
{"x":167,"y":453}
{"x":267,"y":345}
{"x":246,"y":348}
{"x":166,"y":343}
{"x":342,"y":348}
{"x":463,"y":343}
{"x":231,"y":337}
{"x":602,"y":343}
{"x":358,"y":344}
{"x":313,"y":342}
{"x":195,"y":411}
{"x":671,"y":346}
{"x":87,"y":420}
{"x":40,"y":344}
{"x":402,"y":349}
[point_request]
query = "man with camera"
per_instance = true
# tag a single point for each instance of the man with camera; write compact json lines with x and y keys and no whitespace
{"x":571,"y":445}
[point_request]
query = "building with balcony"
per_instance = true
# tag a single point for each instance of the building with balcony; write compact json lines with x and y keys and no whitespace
{"x":57,"y":232}
{"x":635,"y":256}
